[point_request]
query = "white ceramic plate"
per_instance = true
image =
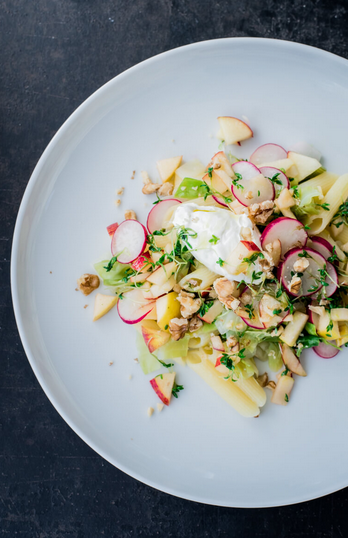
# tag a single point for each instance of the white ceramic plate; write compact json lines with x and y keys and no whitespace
{"x":198,"y":448}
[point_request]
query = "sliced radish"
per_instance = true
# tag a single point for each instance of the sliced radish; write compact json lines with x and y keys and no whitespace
{"x":129,"y":241}
{"x":290,"y":232}
{"x":331,"y":280}
{"x":325,"y":351}
{"x":112,"y":228}
{"x":321,"y":245}
{"x":133,"y":307}
{"x":311,"y":275}
{"x":270,"y":171}
{"x":267,"y":154}
{"x":306,"y":149}
{"x":254,"y":322}
{"x":158,"y":212}
{"x":220,"y":200}
{"x":253,"y":187}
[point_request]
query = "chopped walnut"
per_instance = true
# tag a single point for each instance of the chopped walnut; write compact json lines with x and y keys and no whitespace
{"x":212,"y":294}
{"x":178,"y":327}
{"x":120,"y":191}
{"x":249,"y":195}
{"x":235,"y":349}
{"x":274,"y":251}
{"x":262,"y":379}
{"x":150,"y":188}
{"x":194,"y":324}
{"x":177,"y":288}
{"x":231,"y":341}
{"x":88,"y":283}
{"x":117,"y":202}
{"x":301,"y":265}
{"x":189,"y":305}
{"x":267,"y":305}
{"x":166,"y":189}
{"x":260,"y":213}
{"x":227,"y":292}
{"x":270,"y":385}
{"x":129,"y":214}
{"x":246,"y":297}
{"x":295,"y":284}
{"x":145,"y":177}
{"x":246,"y":234}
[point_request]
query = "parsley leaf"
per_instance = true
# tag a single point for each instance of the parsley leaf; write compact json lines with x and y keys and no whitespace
{"x":220,"y":262}
{"x":204,"y":308}
{"x":252,"y":259}
{"x":176,"y":389}
{"x":214,"y":239}
{"x":325,"y":206}
{"x":111,"y":263}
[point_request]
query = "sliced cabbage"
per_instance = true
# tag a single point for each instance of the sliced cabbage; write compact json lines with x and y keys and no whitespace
{"x":114,"y":276}
{"x":309,"y":198}
{"x":174,"y":349}
{"x":147,"y":361}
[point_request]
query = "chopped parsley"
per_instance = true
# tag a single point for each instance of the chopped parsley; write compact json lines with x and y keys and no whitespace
{"x":250,"y":309}
{"x":210,"y":172}
{"x":111,"y":263}
{"x":220,"y":262}
{"x":304,"y":254}
{"x":333,"y":258}
{"x":325,"y":206}
{"x":235,"y":181}
{"x":214,"y":239}
{"x":227,"y":361}
{"x":286,"y":398}
{"x":277,"y":311}
{"x":252,"y":259}
{"x":176,"y":389}
{"x":341,"y":217}
{"x":286,"y":371}
{"x":169,"y":365}
{"x":205,"y":307}
{"x":275,"y":179}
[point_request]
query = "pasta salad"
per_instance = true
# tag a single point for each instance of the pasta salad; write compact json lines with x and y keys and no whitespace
{"x":241,"y":261}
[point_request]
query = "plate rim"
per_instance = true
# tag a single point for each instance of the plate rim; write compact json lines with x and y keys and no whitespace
{"x":73,"y":117}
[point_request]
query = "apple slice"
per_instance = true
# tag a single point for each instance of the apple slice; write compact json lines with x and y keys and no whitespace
{"x":103,"y":304}
{"x":163,"y":385}
{"x":141,"y":262}
{"x":252,"y":187}
{"x":290,"y":360}
{"x":162,"y":274}
{"x":133,"y":307}
{"x":305,"y":165}
{"x":222,"y":159}
{"x":234,"y":130}
{"x":112,"y":228}
{"x":153,"y":336}
{"x":167,"y":308}
{"x":167,"y":167}
{"x":234,"y":262}
{"x":221,"y":368}
{"x":214,"y":311}
{"x":281,"y":394}
{"x":156,"y":290}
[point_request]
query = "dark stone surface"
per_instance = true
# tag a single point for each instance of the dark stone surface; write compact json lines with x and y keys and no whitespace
{"x":54,"y":54}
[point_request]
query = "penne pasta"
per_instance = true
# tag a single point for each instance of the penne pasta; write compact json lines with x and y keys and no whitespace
{"x":253,"y":390}
{"x":200,"y":279}
{"x":228,"y":390}
{"x":343,"y":234}
{"x":325,"y":181}
{"x":337,"y":194}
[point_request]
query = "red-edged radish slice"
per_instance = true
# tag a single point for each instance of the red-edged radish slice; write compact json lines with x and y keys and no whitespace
{"x":254,"y":322}
{"x":331,"y":280}
{"x":140,"y":262}
{"x":253,"y":187}
{"x":270,"y":171}
{"x":321,"y":245}
{"x":325,"y":351}
{"x":290,"y":232}
{"x":306,"y":149}
{"x":129,"y":241}
{"x":290,"y":360}
{"x":133,"y":307}
{"x":112,"y":228}
{"x":219,"y":200}
{"x":311,"y":275}
{"x":267,"y":154}
{"x":158,"y":212}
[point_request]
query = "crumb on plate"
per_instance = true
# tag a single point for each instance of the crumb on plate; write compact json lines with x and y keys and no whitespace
{"x":160,"y":406}
{"x":150,"y":411}
{"x":120,"y":191}
{"x":117,"y":202}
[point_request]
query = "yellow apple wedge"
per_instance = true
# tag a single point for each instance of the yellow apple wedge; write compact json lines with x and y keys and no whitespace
{"x":167,"y":308}
{"x":163,"y":384}
{"x":234,"y":130}
{"x":102,"y":305}
{"x":153,"y":336}
{"x":167,"y":167}
{"x":305,"y":165}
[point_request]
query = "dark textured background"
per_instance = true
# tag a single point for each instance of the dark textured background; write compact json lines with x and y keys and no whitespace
{"x":54,"y":54}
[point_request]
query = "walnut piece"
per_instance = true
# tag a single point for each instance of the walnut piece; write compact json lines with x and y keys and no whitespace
{"x":270,"y":385}
{"x":301,"y":265}
{"x":231,"y":341}
{"x":129,"y":214}
{"x":228,"y":292}
{"x":249,"y":195}
{"x":150,"y":188}
{"x":194,"y":324}
{"x":262,"y":379}
{"x":274,"y":251}
{"x":178,"y":327}
{"x":88,"y":283}
{"x":295,"y":284}
{"x":189,"y":305}
{"x":260,"y":213}
{"x":166,"y":189}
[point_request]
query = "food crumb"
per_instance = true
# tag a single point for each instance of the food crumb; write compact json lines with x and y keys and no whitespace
{"x":160,"y":407}
{"x":50,"y":272}
{"x":150,"y":411}
{"x":133,"y":175}
{"x":130,"y":377}
{"x":117,"y":202}
{"x":136,"y":360}
{"x":76,"y":289}
{"x":120,"y":191}
{"x":111,"y":363}
{"x":85,"y":306}
{"x":173,"y":140}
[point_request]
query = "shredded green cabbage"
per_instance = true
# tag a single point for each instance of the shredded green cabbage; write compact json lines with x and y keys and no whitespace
{"x":147,"y":361}
{"x":113,"y":277}
{"x":309,"y":198}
